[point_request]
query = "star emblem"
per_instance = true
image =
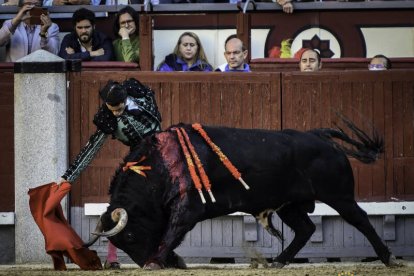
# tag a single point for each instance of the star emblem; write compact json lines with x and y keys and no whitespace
{"x":316,"y":43}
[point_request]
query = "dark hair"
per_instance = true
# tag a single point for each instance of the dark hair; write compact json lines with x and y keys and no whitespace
{"x":83,"y":14}
{"x":388,"y":64}
{"x":113,"y":93}
{"x":313,"y":50}
{"x":133,"y":13}
{"x":230,"y":37}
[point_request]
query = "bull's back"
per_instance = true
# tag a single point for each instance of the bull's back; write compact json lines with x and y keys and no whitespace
{"x":276,"y":164}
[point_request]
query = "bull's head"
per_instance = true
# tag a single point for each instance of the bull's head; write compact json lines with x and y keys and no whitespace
{"x":138,"y":243}
{"x":135,"y":220}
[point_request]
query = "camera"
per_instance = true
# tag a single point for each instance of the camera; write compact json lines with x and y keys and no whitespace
{"x":35,"y":14}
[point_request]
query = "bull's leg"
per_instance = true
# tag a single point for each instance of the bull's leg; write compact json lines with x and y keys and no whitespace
{"x":298,"y":220}
{"x":265,"y":219}
{"x":354,"y":215}
{"x":173,"y":236}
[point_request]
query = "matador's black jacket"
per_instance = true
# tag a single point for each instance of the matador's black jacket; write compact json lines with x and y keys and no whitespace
{"x":140,"y":118}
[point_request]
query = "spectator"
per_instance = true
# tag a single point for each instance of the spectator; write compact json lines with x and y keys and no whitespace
{"x":235,"y":54}
{"x":84,"y":42}
{"x":11,"y":3}
{"x":67,"y":2}
{"x":379,"y":63}
{"x":310,"y":61}
{"x":22,"y":38}
{"x":87,"y":2}
{"x":286,"y":5}
{"x":188,"y":55}
{"x":126,"y":45}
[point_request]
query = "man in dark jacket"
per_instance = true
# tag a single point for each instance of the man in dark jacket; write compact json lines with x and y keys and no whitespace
{"x":84,"y":42}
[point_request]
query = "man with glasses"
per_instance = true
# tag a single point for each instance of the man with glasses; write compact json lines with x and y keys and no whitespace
{"x":84,"y":42}
{"x":23,"y":35}
{"x":379,"y":63}
{"x":235,"y":54}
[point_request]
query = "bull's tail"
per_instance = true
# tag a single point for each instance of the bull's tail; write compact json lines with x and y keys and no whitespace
{"x":366,"y":149}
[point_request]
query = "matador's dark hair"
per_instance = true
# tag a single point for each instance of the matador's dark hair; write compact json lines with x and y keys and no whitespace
{"x":113,"y":93}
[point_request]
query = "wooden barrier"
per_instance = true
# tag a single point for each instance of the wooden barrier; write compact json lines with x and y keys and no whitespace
{"x":7,"y":138}
{"x":328,"y":64}
{"x":384,"y":99}
{"x":109,"y":66}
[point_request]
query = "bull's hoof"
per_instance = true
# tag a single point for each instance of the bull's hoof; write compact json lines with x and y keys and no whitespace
{"x":393,"y":262}
{"x":181,"y":263}
{"x":152,"y":266}
{"x":277,"y":265}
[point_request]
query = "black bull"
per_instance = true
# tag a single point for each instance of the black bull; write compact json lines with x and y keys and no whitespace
{"x":287,"y":171}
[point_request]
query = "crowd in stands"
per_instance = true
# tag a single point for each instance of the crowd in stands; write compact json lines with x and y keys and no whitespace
{"x":23,"y":35}
{"x":286,"y":5}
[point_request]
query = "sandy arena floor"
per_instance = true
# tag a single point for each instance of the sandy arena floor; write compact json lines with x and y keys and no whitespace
{"x":318,"y":269}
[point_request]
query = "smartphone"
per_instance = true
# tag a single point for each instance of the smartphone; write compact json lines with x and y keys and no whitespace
{"x":35,"y":14}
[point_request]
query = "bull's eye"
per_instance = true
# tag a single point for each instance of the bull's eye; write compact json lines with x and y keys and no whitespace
{"x":130,"y":236}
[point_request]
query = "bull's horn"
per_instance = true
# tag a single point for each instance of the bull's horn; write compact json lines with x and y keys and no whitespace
{"x":98,"y":229}
{"x":118,"y":215}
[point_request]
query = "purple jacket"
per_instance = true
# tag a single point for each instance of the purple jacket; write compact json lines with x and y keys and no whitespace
{"x":174,"y":63}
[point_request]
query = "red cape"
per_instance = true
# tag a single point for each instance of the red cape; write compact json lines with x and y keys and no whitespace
{"x":60,"y":239}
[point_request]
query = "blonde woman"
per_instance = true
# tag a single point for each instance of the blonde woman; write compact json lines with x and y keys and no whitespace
{"x":188,"y":55}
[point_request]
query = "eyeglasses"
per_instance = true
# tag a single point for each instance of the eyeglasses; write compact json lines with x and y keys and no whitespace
{"x":376,"y":67}
{"x":124,"y":23}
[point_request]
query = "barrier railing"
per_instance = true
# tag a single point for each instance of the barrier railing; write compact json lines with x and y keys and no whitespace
{"x":265,"y":100}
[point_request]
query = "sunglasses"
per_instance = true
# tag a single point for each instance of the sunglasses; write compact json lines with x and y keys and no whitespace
{"x":376,"y":67}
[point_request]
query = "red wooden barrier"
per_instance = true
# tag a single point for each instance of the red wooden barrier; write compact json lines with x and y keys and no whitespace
{"x":291,"y":64}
